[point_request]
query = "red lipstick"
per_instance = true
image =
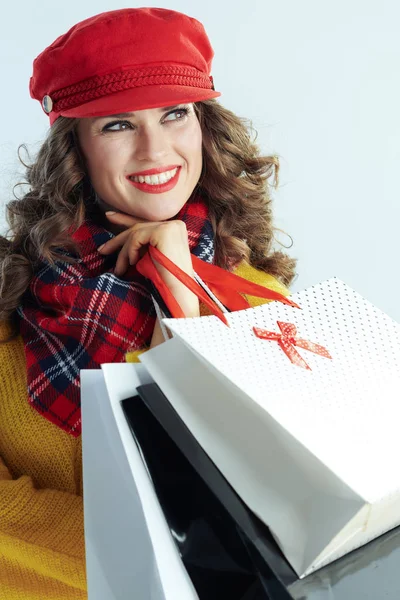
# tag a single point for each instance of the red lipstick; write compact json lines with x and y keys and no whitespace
{"x":156,"y":188}
{"x":154,"y":171}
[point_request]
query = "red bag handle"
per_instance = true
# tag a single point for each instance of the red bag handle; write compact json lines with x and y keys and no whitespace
{"x":226,"y":286}
{"x":147,"y":268}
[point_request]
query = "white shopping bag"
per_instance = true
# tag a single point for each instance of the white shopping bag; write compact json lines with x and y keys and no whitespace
{"x":314,"y":453}
{"x":129,"y":549}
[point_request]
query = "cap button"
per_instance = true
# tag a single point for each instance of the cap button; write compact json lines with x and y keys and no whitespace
{"x":47,"y":104}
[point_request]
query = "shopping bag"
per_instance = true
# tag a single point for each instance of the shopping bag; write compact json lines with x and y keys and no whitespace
{"x":129,"y":549}
{"x":226,"y":550}
{"x":299,"y":410}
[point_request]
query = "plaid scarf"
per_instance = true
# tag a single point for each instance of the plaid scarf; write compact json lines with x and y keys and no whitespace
{"x":80,"y":315}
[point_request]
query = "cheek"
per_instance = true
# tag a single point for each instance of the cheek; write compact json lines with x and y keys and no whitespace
{"x":192,"y":149}
{"x":98,"y":161}
{"x":104,"y":162}
{"x":91,"y":149}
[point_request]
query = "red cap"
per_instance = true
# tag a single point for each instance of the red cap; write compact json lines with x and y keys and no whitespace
{"x":122,"y":61}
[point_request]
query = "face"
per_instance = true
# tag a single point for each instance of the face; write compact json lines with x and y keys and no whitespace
{"x":146,"y":163}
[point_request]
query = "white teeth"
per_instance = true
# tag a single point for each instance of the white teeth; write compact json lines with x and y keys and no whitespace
{"x":155,"y":179}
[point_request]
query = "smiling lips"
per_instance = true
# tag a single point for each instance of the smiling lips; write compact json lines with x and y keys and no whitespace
{"x":156,"y":181}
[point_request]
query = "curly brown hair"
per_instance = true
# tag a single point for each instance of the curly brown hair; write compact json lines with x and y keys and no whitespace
{"x":234,"y":183}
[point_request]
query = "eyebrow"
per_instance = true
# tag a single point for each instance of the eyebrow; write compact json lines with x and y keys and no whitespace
{"x":132,"y":114}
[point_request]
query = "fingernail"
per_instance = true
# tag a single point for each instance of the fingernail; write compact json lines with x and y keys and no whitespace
{"x":100,"y":247}
{"x":109,"y":213}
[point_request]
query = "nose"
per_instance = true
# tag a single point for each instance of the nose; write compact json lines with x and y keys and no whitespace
{"x":151,"y":145}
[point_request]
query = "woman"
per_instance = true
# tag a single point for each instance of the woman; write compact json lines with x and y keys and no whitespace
{"x":139,"y":155}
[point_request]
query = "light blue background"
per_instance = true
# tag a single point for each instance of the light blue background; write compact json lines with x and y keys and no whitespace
{"x":319,"y":79}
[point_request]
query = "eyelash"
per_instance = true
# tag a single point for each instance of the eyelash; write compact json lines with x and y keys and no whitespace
{"x":107,"y":128}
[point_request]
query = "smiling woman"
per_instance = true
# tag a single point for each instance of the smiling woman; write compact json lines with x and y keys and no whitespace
{"x":155,"y":151}
{"x":139,"y":155}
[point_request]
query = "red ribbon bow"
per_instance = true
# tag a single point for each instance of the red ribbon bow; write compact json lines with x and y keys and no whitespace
{"x":226,"y":286}
{"x":287,"y":340}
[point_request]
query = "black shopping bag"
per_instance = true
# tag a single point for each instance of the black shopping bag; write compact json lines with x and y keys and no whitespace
{"x":226,"y":550}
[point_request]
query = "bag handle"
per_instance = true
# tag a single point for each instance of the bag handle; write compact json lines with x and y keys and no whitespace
{"x":226,"y":286}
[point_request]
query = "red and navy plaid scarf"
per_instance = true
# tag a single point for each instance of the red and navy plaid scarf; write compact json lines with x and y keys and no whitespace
{"x":78,"y":316}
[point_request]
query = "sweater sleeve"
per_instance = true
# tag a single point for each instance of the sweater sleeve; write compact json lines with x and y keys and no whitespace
{"x":34,"y":525}
{"x":133,"y":357}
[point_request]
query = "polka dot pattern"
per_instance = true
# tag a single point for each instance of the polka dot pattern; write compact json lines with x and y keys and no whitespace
{"x":345,"y":410}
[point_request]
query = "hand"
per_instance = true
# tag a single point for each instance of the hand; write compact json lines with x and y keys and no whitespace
{"x":170,"y":237}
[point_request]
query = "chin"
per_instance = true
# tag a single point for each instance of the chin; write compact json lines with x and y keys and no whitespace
{"x":163,"y":212}
{"x":161,"y":216}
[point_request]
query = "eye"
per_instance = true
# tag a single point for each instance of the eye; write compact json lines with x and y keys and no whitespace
{"x":117,"y":126}
{"x":178,"y":114}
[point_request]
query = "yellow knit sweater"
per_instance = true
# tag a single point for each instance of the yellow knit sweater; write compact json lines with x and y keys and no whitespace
{"x":42,"y":549}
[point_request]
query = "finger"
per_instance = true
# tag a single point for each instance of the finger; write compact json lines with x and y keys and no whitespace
{"x":122,"y":264}
{"x":131,"y":251}
{"x":139,"y":240}
{"x":116,"y":242}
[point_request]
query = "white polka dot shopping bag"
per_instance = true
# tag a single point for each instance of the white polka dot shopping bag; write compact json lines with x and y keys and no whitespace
{"x":300,"y":411}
